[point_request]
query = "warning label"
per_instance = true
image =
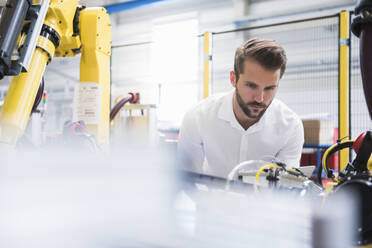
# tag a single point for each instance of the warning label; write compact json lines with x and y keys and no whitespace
{"x":87,"y":103}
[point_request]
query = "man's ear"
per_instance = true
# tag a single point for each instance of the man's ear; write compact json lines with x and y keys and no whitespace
{"x":233,"y":79}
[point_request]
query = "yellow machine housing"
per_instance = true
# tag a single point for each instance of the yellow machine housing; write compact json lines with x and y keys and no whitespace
{"x":93,"y":39}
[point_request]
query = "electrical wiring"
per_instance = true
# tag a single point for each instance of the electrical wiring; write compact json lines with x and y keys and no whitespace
{"x":299,"y":171}
{"x":324,"y":161}
{"x":232,"y":173}
{"x":331,"y":150}
{"x":259,"y":173}
{"x":265,"y":164}
{"x":294,"y":171}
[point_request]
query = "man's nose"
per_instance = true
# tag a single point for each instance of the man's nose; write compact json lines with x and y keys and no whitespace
{"x":259,"y":97}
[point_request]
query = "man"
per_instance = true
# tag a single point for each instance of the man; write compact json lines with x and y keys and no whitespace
{"x":247,"y":123}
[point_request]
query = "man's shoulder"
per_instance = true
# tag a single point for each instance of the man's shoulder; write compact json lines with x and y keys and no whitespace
{"x":210,"y":104}
{"x":204,"y":112}
{"x":283,"y":114}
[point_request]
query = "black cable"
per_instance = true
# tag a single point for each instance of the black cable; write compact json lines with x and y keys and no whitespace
{"x":319,"y":174}
{"x":335,"y":149}
{"x":299,"y":171}
{"x":39,"y":96}
{"x":340,"y":146}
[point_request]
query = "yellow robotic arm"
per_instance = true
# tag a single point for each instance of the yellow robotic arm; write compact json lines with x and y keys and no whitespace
{"x":67,"y":30}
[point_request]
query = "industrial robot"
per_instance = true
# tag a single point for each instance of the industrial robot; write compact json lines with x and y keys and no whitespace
{"x":32,"y":33}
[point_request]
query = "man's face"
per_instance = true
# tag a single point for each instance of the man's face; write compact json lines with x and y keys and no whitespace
{"x":255,"y":88}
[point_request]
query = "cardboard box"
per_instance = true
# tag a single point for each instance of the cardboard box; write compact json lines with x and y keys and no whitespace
{"x":319,"y":131}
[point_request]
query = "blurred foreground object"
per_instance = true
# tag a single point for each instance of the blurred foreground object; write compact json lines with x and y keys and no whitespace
{"x":133,"y":124}
{"x":133,"y":199}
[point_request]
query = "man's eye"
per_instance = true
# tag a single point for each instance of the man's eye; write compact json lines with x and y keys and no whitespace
{"x":253,"y":86}
{"x":271,"y":88}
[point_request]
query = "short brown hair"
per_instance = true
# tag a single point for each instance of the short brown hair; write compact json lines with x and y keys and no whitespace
{"x":268,"y":53}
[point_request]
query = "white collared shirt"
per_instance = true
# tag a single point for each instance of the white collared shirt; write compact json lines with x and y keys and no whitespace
{"x":213,"y":142}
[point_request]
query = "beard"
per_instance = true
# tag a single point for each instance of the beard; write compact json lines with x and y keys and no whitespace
{"x":255,"y":113}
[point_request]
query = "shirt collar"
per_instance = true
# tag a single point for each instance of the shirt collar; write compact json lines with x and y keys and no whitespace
{"x":226,"y":113}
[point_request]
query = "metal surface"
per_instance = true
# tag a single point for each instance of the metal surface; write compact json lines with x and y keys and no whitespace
{"x":293,"y":16}
{"x":32,"y":36}
{"x":95,"y":64}
{"x":20,"y":98}
{"x":12,"y":18}
{"x":344,"y":86}
{"x":207,"y":64}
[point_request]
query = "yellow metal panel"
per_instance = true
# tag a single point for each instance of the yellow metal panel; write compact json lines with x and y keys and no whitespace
{"x":344,"y":25}
{"x":207,"y":63}
{"x":95,"y":32}
{"x":329,"y":187}
{"x":60,"y":17}
{"x":364,"y":246}
{"x":95,"y":23}
{"x":43,"y":43}
{"x":207,"y":78}
{"x":344,"y":85}
{"x":20,"y":98}
{"x":47,"y":46}
{"x":369,"y":163}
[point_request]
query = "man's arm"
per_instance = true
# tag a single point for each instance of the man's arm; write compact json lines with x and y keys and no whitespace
{"x":190,"y":145}
{"x":291,"y":152}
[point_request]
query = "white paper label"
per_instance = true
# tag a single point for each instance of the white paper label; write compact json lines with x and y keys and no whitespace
{"x":87,"y":103}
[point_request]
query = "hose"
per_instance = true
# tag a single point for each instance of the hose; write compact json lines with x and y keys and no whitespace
{"x":39,"y":96}
{"x":331,"y":150}
{"x":132,"y":98}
